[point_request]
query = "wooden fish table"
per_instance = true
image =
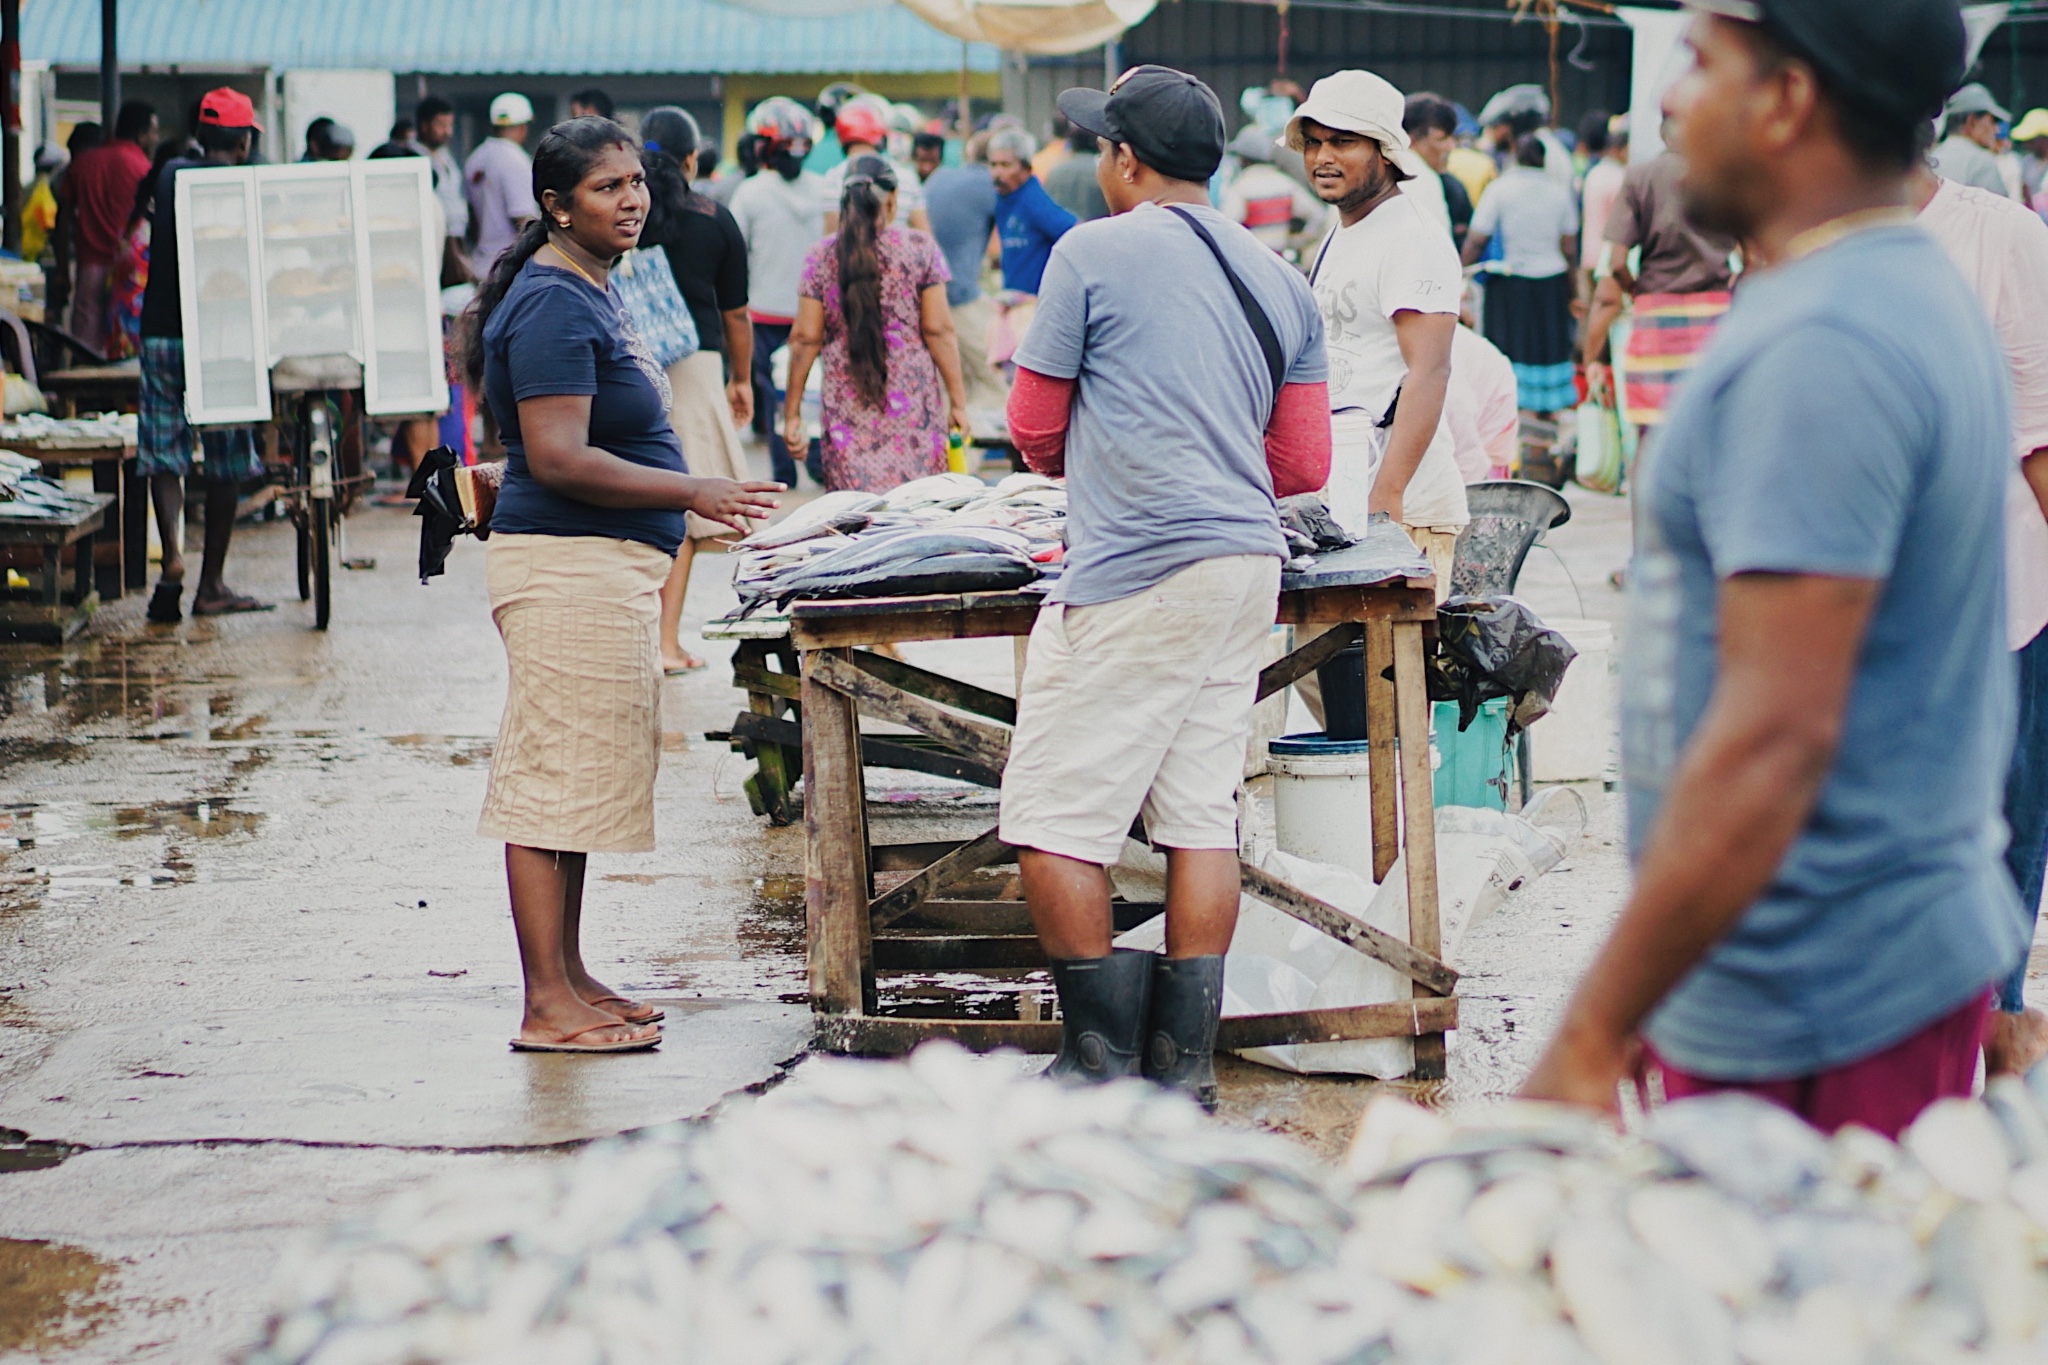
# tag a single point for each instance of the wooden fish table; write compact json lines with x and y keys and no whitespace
{"x":824,"y":672}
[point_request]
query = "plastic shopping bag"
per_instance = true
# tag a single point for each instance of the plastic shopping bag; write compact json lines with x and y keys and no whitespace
{"x":1601,"y":454}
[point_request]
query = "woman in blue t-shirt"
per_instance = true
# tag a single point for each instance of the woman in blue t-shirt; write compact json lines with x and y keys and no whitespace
{"x":585,"y":529}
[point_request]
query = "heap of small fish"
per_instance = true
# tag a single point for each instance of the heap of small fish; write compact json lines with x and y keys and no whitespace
{"x":955,"y":1209}
{"x":943,"y":534}
{"x":945,"y":1210}
{"x":1728,"y":1233}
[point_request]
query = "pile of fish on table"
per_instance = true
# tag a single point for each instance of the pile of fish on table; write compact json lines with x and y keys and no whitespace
{"x":26,"y":493}
{"x":951,"y":1208}
{"x":944,"y":534}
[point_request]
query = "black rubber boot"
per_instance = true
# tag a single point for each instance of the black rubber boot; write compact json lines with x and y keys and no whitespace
{"x":1102,"y":1014}
{"x":1180,"y":1032}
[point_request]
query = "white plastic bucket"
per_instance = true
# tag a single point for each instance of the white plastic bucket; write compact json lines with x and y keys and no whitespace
{"x":1322,"y":801}
{"x":1575,"y":741}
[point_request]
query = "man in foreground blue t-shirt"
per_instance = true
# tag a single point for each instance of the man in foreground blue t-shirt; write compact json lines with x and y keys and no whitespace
{"x":1819,"y":706}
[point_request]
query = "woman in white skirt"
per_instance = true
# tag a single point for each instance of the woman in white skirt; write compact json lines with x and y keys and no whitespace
{"x":714,"y":398}
{"x":582,"y":538}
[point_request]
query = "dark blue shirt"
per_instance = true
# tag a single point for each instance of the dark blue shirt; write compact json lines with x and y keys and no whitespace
{"x":556,"y":333}
{"x":961,"y":202}
{"x":1030,"y":223}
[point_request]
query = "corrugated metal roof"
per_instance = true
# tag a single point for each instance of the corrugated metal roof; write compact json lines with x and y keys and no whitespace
{"x":489,"y":37}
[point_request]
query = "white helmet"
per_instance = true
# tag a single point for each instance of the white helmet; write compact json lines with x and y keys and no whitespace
{"x":510,"y":110}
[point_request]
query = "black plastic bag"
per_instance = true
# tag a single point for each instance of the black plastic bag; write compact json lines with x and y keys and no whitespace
{"x":1490,"y":647}
{"x":1309,"y":527}
{"x":439,"y":508}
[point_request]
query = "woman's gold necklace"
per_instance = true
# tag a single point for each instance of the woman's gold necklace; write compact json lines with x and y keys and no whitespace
{"x":570,"y":262}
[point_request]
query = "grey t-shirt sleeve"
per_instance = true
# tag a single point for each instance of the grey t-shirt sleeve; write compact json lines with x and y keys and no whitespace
{"x":1059,"y":330}
{"x":1816,"y":468}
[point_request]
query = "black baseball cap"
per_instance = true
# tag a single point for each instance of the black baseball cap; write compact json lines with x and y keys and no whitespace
{"x":1898,"y":60}
{"x":1170,"y":119}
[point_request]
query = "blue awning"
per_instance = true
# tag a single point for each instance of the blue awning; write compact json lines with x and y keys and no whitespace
{"x":494,"y":37}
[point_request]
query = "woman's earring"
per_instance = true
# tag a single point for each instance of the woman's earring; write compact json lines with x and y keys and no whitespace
{"x":561,"y":222}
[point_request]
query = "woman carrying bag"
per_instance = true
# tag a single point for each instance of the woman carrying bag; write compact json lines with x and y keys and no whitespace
{"x":714,"y":395}
{"x":583,"y":535}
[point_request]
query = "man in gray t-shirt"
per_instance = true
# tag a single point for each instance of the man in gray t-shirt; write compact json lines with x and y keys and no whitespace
{"x":1142,"y":379}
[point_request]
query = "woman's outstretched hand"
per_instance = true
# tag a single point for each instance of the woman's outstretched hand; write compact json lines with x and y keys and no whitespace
{"x":734,"y":504}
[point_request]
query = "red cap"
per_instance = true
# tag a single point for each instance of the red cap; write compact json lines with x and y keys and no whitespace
{"x":859,"y":124}
{"x":225,"y":108}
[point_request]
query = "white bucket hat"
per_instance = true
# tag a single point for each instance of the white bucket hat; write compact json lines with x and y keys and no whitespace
{"x":1359,"y":102}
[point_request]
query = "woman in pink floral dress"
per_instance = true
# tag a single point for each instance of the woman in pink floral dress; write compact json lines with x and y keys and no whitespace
{"x":874,"y":302}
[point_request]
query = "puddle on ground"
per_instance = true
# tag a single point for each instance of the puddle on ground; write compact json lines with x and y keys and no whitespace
{"x":460,"y":751}
{"x":772,"y":924}
{"x":53,"y":1297}
{"x":51,"y":823}
{"x":33,"y":837}
{"x":96,"y":680}
{"x":20,"y":1152}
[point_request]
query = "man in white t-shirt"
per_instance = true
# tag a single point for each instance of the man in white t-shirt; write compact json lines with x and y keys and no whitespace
{"x":2001,"y":248}
{"x":1389,"y":284}
{"x":780,"y":214}
{"x":499,"y":177}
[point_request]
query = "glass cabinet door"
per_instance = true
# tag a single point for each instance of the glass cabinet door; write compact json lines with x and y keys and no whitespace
{"x":310,"y":283}
{"x":227,"y":357}
{"x":398,"y":237}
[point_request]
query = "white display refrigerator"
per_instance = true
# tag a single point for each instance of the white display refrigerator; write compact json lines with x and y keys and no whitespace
{"x":326,"y":273}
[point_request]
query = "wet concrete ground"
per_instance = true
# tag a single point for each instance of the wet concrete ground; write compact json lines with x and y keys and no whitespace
{"x":255,"y":970}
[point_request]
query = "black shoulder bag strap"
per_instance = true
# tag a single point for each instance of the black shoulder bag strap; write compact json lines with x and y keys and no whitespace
{"x":1262,"y":326}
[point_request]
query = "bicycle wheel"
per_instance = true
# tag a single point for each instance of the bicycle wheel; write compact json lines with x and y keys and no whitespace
{"x":322,"y":519}
{"x":304,"y":538}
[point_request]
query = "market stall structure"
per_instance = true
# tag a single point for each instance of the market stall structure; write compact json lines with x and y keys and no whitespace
{"x":830,"y":675}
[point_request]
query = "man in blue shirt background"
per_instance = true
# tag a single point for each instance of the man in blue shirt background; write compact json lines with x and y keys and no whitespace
{"x":1026,"y":217}
{"x":1819,"y":708}
{"x":961,"y":202}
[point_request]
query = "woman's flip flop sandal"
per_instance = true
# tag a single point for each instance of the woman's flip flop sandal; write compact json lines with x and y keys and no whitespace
{"x":570,"y":1044}
{"x":605,"y":1003}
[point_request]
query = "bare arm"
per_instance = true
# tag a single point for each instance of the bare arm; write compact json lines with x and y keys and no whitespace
{"x":555,"y":429}
{"x":806,"y":339}
{"x":2035,"y":470}
{"x":921,"y":220}
{"x":936,"y":317}
{"x":1475,"y":246}
{"x":1742,"y":791}
{"x":1608,"y":296}
{"x":739,"y":361}
{"x":1426,"y":345}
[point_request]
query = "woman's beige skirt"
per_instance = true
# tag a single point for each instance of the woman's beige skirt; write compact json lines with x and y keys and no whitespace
{"x":703,"y":423}
{"x":581,"y":738}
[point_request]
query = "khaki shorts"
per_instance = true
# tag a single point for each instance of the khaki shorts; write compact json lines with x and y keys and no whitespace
{"x":580,"y":743}
{"x":1140,"y":705}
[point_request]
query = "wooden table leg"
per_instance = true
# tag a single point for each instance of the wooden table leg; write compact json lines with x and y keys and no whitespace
{"x":836,"y":878}
{"x":1418,"y":808}
{"x":1379,"y":735}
